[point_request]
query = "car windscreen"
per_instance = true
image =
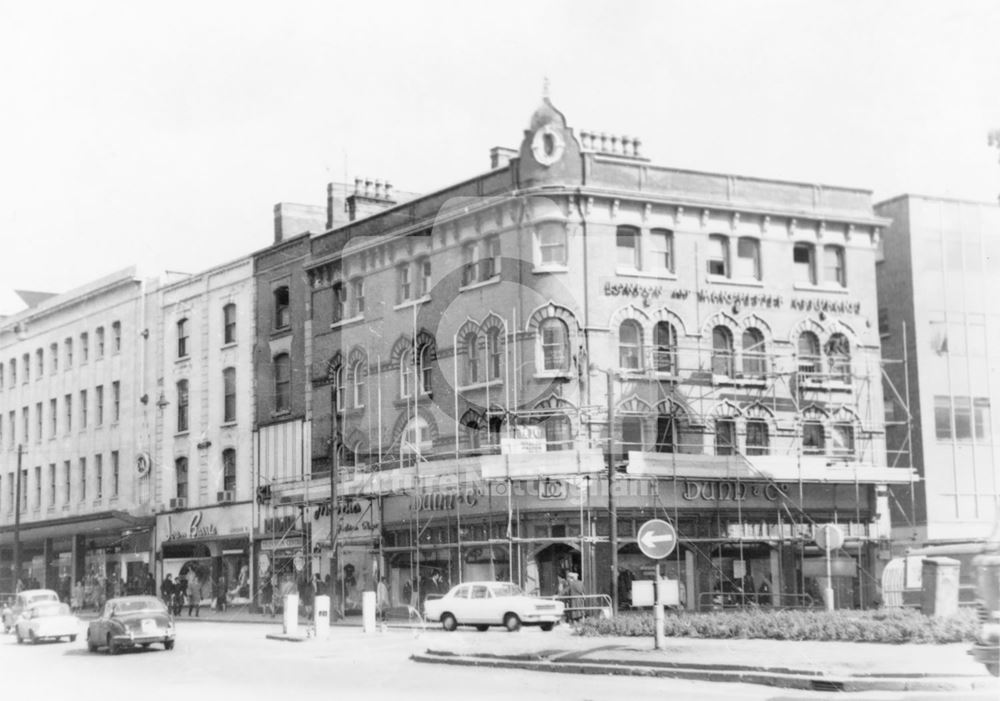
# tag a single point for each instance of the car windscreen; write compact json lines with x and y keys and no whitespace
{"x":49,"y":609}
{"x":506,"y":589}
{"x":36,"y":598}
{"x":137,"y":605}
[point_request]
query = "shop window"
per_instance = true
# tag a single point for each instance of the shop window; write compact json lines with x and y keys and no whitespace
{"x":665,"y":347}
{"x":722,"y":351}
{"x":554,"y":344}
{"x":282,"y":310}
{"x":838,"y":356}
{"x":229,"y":395}
{"x":718,"y":255}
{"x":181,"y":476}
{"x":282,"y":382}
{"x":809,"y":359}
{"x":182,"y":406}
{"x":627,"y":243}
{"x":183,"y":332}
{"x":834,"y":272}
{"x":661,"y":251}
{"x":813,"y":440}
{"x":804,"y":263}
{"x":842,"y":436}
{"x":747,"y":258}
{"x":631,"y":438}
{"x":757,"y":438}
{"x":630,"y":345}
{"x":229,"y":470}
{"x":725,"y":437}
{"x":754,"y":357}
{"x":558,"y":433}
{"x":551,"y":241}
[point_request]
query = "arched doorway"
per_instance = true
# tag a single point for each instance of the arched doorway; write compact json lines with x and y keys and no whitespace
{"x":553,"y":563}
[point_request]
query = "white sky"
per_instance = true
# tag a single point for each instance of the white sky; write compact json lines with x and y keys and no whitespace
{"x":162,"y":134}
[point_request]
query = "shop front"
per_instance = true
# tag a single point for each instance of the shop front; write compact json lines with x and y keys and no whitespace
{"x":209,"y":548}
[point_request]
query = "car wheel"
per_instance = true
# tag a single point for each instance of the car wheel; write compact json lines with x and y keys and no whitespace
{"x":546,"y":626}
{"x":91,"y":645}
{"x":112,"y":647}
{"x":31,"y":637}
{"x":72,"y":638}
{"x":448,"y":622}
{"x":168,"y":644}
{"x":511,"y":622}
{"x":19,"y":638}
{"x":482,"y":628}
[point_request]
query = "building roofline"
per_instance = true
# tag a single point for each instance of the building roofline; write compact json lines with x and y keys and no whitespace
{"x":936,"y":198}
{"x":215,"y":269}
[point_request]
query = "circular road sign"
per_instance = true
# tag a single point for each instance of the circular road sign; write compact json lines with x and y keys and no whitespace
{"x":829,"y":536}
{"x":656,"y":539}
{"x":299,"y":561}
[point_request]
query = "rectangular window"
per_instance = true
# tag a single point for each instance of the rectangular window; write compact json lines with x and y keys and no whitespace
{"x":833,"y":266}
{"x":229,"y":395}
{"x":470,"y":269}
{"x":229,"y":324}
{"x":942,"y":418}
{"x":68,"y":408}
{"x":52,"y":485}
{"x":99,"y":343}
{"x":24,"y":490}
{"x":38,"y":487}
{"x":883,"y":321}
{"x":68,"y":345}
{"x":424,"y":270}
{"x":12,"y":433}
{"x":757,"y":440}
{"x":551,"y":243}
{"x":490,"y":262}
{"x":661,"y":253}
{"x":803,"y":263}
{"x":40,"y":362}
{"x":116,"y":337}
{"x":339,"y":302}
{"x":84,"y":347}
{"x":53,"y":359}
{"x":813,"y":439}
{"x":98,"y":476}
{"x":229,"y":470}
{"x":718,"y":255}
{"x":843,"y":440}
{"x":747,"y":259}
{"x":26,"y":368}
{"x":981,"y":418}
{"x":182,"y":406}
{"x":99,"y":405}
{"x":725,"y":437}
{"x":83,"y":409}
{"x":13,"y":372}
{"x":67,"y":486}
{"x":26,"y":424}
{"x":116,"y":401}
{"x":403,"y":287}
{"x":39,"y":422}
{"x":358,"y":297}
{"x":83,"y":479}
{"x":182,"y":338}
{"x":963,"y":418}
{"x":114,"y":473}
{"x":53,"y":418}
{"x":627,"y":243}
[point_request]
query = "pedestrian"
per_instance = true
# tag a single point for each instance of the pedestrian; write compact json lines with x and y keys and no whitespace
{"x":76,"y":597}
{"x":167,"y":590}
{"x":180,"y":591}
{"x":576,"y":593}
{"x":220,"y":593}
{"x":382,"y":599}
{"x":193,"y":596}
{"x":306,"y":594}
{"x":764,"y":593}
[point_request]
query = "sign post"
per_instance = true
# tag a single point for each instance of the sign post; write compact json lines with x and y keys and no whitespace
{"x":657,"y":539}
{"x":830,"y":538}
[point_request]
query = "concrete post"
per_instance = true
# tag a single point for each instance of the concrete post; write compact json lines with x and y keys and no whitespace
{"x":940,"y":586}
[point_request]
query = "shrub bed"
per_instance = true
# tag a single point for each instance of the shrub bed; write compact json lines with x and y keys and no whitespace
{"x":881,"y":626}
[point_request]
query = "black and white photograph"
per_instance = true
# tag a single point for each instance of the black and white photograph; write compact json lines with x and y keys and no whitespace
{"x":566,"y":349}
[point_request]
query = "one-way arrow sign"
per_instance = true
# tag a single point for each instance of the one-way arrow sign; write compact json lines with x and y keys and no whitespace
{"x":656,"y":538}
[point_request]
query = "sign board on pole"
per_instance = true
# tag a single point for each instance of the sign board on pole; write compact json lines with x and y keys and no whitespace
{"x":829,"y":536}
{"x":656,"y":538}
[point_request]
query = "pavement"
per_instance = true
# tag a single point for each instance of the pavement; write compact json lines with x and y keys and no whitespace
{"x":809,"y":665}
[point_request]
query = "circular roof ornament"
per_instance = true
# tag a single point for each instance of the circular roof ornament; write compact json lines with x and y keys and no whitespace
{"x":548,"y":145}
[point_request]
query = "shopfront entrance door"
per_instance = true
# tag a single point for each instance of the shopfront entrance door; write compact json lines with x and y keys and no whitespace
{"x":554,"y":562}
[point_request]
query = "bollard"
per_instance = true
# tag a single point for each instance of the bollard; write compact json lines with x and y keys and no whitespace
{"x":291,"y":614}
{"x":368,"y":611}
{"x":321,"y":617}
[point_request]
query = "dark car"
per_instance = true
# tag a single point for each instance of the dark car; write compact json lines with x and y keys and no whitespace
{"x":131,"y":621}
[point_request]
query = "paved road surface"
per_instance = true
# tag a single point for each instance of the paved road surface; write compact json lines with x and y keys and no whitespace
{"x":223,"y":661}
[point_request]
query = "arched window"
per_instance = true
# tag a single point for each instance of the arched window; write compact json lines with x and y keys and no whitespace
{"x":665,"y":351}
{"x":554,"y":344}
{"x":229,"y":395}
{"x":838,"y":357}
{"x":416,"y":438}
{"x":229,"y":470}
{"x":181,"y":476}
{"x":282,"y":313}
{"x":471,"y":429}
{"x":494,"y":354}
{"x":722,"y":351}
{"x":558,"y":432}
{"x":809,"y":359}
{"x":182,"y":406}
{"x":757,"y":437}
{"x":426,"y":367}
{"x":813,"y":438}
{"x":842,"y":437}
{"x":282,"y":382}
{"x":406,"y":374}
{"x":471,"y":347}
{"x":754,"y":358}
{"x":358,"y":374}
{"x":339,"y":390}
{"x":630,"y":345}
{"x":666,"y":432}
{"x":229,"y":323}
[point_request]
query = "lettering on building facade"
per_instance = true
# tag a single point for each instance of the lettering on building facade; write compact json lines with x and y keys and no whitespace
{"x":195,"y":529}
{"x":646,"y":292}
{"x":829,"y":306}
{"x":446,"y":500}
{"x":730,"y":490}
{"x":746,"y":299}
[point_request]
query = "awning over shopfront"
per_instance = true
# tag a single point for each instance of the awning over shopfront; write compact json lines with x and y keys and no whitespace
{"x":91,"y":525}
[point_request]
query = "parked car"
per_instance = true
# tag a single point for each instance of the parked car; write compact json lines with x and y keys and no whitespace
{"x":131,"y":621}
{"x":485,"y":604}
{"x":22,"y":601}
{"x":48,"y":620}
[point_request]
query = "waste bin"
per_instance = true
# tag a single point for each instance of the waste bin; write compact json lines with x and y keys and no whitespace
{"x":368,"y":611}
{"x":321,"y":617}
{"x":291,"y":614}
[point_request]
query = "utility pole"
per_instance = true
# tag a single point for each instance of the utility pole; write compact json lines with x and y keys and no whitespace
{"x":17,"y":519}
{"x":334,"y":468}
{"x":612,"y":507}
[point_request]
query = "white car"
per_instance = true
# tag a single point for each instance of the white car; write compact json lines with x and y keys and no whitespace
{"x":47,"y":620}
{"x":485,"y":604}
{"x":22,"y":602}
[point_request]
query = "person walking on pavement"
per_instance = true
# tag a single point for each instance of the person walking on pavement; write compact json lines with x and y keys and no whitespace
{"x":180,"y":591}
{"x":167,"y":590}
{"x":576,"y":593}
{"x":382,"y":599}
{"x":220,"y":593}
{"x":193,"y":596}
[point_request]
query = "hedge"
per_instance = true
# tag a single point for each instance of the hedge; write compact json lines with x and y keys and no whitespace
{"x":880,"y":626}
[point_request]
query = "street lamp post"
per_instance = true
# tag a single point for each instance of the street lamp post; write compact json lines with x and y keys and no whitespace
{"x":17,"y":519}
{"x":612,"y":507}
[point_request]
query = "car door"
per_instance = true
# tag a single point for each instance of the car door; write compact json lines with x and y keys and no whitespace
{"x":98,"y":628}
{"x":480,"y":604}
{"x":458,"y":603}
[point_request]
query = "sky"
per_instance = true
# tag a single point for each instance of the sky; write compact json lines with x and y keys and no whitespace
{"x":162,"y":134}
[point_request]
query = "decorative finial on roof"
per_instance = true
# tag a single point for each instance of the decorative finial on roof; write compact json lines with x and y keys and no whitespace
{"x":545,"y":87}
{"x":993,"y":139}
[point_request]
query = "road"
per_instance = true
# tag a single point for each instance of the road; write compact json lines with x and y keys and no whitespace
{"x":236,"y":661}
